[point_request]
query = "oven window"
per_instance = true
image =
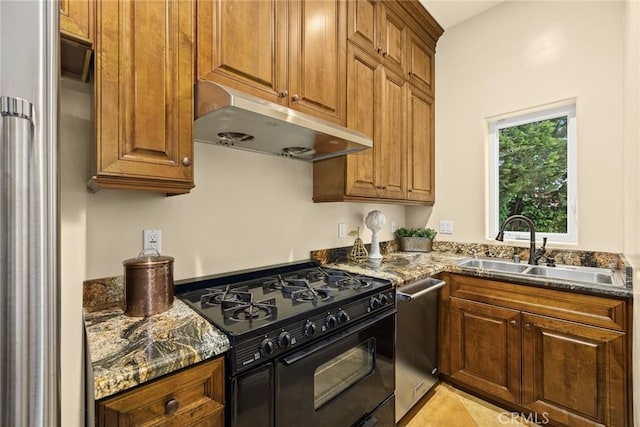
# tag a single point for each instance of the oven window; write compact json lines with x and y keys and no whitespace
{"x":341,"y":372}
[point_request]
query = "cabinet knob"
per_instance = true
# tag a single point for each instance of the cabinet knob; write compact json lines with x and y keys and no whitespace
{"x":409,"y":190}
{"x":527,"y":326}
{"x":295,"y":97}
{"x":513,"y":323}
{"x":410,"y":73}
{"x":379,"y":49}
{"x":171,"y":407}
{"x":284,"y":94}
{"x":186,"y":161}
{"x":384,"y":54}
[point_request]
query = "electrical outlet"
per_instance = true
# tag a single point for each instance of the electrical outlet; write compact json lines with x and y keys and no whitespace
{"x":393,"y":226}
{"x":152,"y":239}
{"x":342,"y":231}
{"x":446,"y":227}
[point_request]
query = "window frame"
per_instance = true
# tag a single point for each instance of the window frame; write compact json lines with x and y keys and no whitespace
{"x":494,"y":126}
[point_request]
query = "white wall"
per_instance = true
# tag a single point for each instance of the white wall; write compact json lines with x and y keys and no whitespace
{"x":247,"y":210}
{"x":632,"y":175}
{"x":516,"y":56}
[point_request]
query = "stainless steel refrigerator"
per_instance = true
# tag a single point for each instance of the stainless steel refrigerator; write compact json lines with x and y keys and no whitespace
{"x":29,"y":278}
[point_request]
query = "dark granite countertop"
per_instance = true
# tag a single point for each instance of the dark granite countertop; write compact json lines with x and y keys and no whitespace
{"x":127,"y":351}
{"x":406,"y":267}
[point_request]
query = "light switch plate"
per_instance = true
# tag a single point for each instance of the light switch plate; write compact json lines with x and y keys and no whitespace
{"x":446,"y":226}
{"x":342,"y":231}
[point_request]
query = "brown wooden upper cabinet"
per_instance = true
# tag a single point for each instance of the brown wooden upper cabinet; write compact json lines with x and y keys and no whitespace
{"x":389,"y":97}
{"x":420,"y":146}
{"x":77,"y":31}
{"x":383,"y":33}
{"x":420,"y":63}
{"x":144,"y":95}
{"x":292,"y":53}
{"x":380,"y":31}
{"x":77,"y":20}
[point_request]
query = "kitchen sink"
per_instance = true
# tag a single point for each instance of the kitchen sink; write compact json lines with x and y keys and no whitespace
{"x":494,"y":265}
{"x":574,"y":274}
{"x":589,"y":275}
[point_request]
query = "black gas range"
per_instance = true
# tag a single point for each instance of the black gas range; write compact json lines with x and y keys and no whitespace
{"x":290,"y":318}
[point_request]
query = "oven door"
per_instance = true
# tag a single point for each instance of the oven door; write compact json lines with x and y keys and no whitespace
{"x":339,"y":380}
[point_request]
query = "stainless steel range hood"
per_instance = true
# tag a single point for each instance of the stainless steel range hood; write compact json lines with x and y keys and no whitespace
{"x":225,"y":116}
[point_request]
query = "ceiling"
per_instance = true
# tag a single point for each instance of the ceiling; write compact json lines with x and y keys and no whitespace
{"x":451,"y":12}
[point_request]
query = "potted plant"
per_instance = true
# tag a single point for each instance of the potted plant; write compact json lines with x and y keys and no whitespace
{"x":416,"y":239}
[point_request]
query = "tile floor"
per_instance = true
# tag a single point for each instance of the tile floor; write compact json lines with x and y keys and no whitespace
{"x":446,"y":406}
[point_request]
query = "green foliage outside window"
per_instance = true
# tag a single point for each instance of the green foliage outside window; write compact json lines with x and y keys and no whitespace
{"x":533,"y":173}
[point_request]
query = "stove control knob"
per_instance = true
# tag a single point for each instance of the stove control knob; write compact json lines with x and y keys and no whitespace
{"x":331,"y":321}
{"x":384,"y":300}
{"x":374,"y":303}
{"x":310,"y":329}
{"x":267,"y":347}
{"x":343,"y":317}
{"x":284,"y":340}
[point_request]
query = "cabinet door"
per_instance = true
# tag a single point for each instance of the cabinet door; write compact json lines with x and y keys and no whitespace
{"x":575,"y":374}
{"x":420,"y":146}
{"x":243,"y":44}
{"x":144,"y":95}
{"x":420,"y":63}
{"x":392,"y":40}
{"x":362,"y":91}
{"x":317,"y":58}
{"x":485,"y":348}
{"x":191,"y":397}
{"x":363,"y":24}
{"x":391,"y":137}
{"x":77,"y":20}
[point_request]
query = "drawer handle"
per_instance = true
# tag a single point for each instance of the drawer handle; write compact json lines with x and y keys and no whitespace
{"x":171,"y":407}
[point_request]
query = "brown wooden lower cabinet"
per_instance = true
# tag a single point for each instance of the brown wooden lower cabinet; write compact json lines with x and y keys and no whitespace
{"x":191,"y":397}
{"x":575,"y":373}
{"x":486,"y":350}
{"x":522,"y":346}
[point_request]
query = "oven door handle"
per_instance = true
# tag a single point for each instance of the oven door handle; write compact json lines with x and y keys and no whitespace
{"x":295,"y":357}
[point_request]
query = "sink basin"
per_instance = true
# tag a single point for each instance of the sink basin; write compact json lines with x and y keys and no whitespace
{"x":577,"y":274}
{"x":494,"y":265}
{"x":592,"y":275}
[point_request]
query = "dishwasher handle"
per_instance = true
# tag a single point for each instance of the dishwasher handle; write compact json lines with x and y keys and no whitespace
{"x":423,"y":287}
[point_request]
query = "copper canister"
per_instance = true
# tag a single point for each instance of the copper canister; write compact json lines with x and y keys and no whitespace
{"x":148,"y":284}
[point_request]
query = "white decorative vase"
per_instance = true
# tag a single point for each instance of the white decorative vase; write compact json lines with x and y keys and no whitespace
{"x":375,"y":221}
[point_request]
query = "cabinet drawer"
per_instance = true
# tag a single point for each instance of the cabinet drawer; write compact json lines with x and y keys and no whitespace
{"x":588,"y":309}
{"x":194,"y":396}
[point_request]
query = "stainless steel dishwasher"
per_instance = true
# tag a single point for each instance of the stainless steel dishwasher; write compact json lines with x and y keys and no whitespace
{"x":416,"y":342}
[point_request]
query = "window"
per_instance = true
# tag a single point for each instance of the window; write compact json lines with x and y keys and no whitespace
{"x":533,"y":173}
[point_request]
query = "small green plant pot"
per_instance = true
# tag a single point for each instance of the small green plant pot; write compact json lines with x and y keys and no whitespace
{"x":415,"y":244}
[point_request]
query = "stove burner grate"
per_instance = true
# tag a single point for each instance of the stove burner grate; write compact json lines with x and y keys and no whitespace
{"x":299,"y":290}
{"x":274,"y":284}
{"x":343,"y":280}
{"x":214,"y":296}
{"x":249,"y":310}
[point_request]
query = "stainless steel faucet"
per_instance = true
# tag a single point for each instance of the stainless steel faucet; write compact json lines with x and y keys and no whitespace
{"x":532,"y":231}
